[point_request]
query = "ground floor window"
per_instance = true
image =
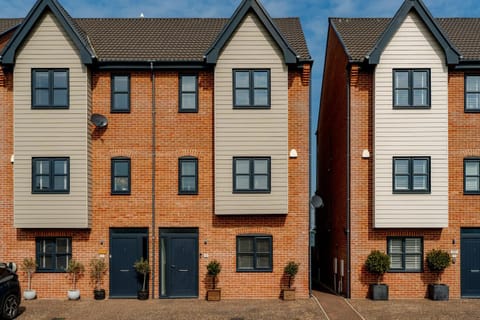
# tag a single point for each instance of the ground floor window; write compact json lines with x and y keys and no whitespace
{"x":406,"y":254}
{"x":254,"y":253}
{"x":53,"y":254}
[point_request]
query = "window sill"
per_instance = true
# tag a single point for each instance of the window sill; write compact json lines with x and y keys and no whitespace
{"x":50,"y":107}
{"x":120,"y":193}
{"x":188,"y":193}
{"x":250,"y":192}
{"x":187,"y":110}
{"x":255,"y":271}
{"x":411,"y":107}
{"x":119,"y":111}
{"x":252,"y":107}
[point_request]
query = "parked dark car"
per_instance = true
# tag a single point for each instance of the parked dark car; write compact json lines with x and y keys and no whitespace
{"x":9,"y":291}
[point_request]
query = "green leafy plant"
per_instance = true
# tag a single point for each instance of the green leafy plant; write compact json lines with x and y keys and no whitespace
{"x":29,"y":266}
{"x":142,"y":266}
{"x":377,"y":263}
{"x":98,"y":268}
{"x":214,"y":267}
{"x":291,"y":270}
{"x":75,"y":270}
{"x":437,"y":261}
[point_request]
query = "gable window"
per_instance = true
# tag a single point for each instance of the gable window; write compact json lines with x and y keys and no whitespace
{"x":411,"y":88}
{"x":120,"y":93}
{"x":406,"y":254}
{"x":251,"y":88}
{"x":251,"y":174}
{"x":254,"y":253}
{"x":53,"y":254}
{"x":50,"y":175}
{"x":411,"y":175}
{"x":472,"y":93}
{"x":50,"y":89}
{"x":188,"y":95}
{"x":471,"y":176}
{"x":188,"y":175}
{"x":120,"y":175}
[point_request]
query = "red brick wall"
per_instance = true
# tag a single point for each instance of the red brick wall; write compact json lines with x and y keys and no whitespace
{"x":177,"y":134}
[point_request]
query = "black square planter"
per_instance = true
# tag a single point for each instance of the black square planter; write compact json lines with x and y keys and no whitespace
{"x":438,"y":292}
{"x":379,"y":292}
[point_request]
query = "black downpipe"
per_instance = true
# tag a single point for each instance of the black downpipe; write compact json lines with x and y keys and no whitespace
{"x":154,"y":156}
{"x":310,"y":227}
{"x":348,"y":183}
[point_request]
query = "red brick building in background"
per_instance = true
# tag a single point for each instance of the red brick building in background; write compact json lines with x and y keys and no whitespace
{"x":398,"y":152}
{"x":168,"y":139}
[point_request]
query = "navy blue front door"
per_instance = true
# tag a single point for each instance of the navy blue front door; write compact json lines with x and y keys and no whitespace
{"x":470,"y":260}
{"x":179,"y":263}
{"x":126,"y":247}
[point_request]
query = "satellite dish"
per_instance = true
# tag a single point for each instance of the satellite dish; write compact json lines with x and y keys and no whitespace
{"x":99,"y":120}
{"x":317,"y":201}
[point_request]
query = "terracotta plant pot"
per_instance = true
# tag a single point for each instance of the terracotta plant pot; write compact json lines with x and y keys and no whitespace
{"x":214,"y":295}
{"x":288,"y":294}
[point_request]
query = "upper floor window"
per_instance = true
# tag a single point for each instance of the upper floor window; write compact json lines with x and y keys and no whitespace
{"x":254,"y":253}
{"x":120,"y":93}
{"x":53,"y":254}
{"x":406,"y":254}
{"x":50,"y":175}
{"x":120,"y":175}
{"x":188,"y":175}
{"x":251,"y":88}
{"x":411,"y":88}
{"x":471,"y":176}
{"x":188,"y":93}
{"x":411,"y":174}
{"x":251,"y":174}
{"x":472,"y":93}
{"x":50,"y":89}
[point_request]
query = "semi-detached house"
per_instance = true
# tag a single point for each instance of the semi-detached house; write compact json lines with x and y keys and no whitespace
{"x":168,"y":139}
{"x":398,"y":151}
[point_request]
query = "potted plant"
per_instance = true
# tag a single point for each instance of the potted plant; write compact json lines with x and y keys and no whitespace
{"x":29,"y":267}
{"x":143,"y":268}
{"x":75,"y":270}
{"x":437,"y":262}
{"x":214,"y":267}
{"x":290,"y":270}
{"x":378,"y":263}
{"x":98,"y":268}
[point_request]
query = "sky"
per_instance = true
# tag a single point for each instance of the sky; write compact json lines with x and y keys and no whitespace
{"x":313,"y":15}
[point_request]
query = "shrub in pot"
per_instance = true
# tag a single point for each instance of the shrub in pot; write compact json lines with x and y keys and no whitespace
{"x":290,"y":270}
{"x":437,"y":262}
{"x":29,"y":266}
{"x":378,"y":263}
{"x":75,"y":270}
{"x":98,"y":268}
{"x":213,"y":268}
{"x":143,"y":267}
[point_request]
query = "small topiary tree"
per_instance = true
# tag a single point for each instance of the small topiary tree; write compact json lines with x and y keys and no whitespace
{"x":377,"y":263}
{"x":214,"y":267}
{"x":75,"y":270}
{"x":291,"y":270}
{"x":142,"y":266}
{"x":29,"y":266}
{"x":98,"y":268}
{"x":437,"y":261}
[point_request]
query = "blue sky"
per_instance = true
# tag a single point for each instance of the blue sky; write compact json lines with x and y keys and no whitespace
{"x":313,"y":14}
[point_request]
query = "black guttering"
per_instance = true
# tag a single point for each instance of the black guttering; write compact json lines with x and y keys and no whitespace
{"x":8,"y":54}
{"x":452,"y":54}
{"x":211,"y":56}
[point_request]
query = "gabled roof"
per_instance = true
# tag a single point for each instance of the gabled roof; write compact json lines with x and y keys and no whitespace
{"x":27,"y":25}
{"x":243,"y":9}
{"x":451,"y":53}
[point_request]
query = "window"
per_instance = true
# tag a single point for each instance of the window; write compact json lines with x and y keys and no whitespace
{"x":471,"y":176}
{"x":120,"y":93}
{"x":251,"y":88}
{"x":50,"y":89}
{"x":472,"y":93}
{"x":254,"y":253}
{"x":411,"y":175}
{"x":406,"y":254}
{"x":120,"y":176}
{"x":53,"y":254}
{"x":188,"y":175}
{"x":251,"y":175}
{"x":50,"y":175}
{"x":411,"y":88}
{"x":188,"y":96}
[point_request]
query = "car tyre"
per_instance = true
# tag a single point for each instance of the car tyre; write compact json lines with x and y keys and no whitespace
{"x":10,"y":307}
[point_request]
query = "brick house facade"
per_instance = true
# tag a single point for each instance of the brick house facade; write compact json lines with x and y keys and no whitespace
{"x":143,"y":212}
{"x":365,"y":129}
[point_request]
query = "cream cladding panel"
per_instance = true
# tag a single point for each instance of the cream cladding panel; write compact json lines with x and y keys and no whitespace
{"x":250,"y":132}
{"x":50,"y":133}
{"x":407,"y":132}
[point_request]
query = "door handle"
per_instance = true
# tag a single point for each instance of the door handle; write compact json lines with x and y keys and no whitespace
{"x":475,"y":270}
{"x":124,"y":270}
{"x":183,"y":270}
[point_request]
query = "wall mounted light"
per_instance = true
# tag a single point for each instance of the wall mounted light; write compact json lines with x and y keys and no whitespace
{"x":365,"y":154}
{"x":293,"y":153}
{"x":454,"y":255}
